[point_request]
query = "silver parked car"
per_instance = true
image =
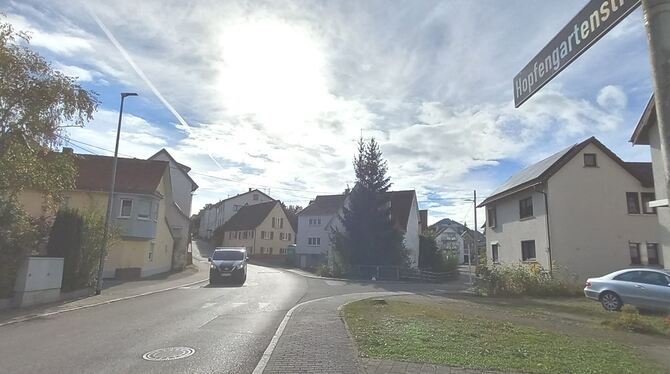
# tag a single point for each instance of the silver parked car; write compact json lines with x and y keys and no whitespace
{"x":644,"y":288}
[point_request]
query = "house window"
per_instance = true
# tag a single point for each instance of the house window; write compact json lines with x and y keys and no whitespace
{"x":281,"y":223}
{"x":150,"y":256}
{"x":526,"y":208}
{"x":315,"y":221}
{"x":494,"y":252}
{"x":282,"y":251}
{"x":230,"y":234}
{"x":126,"y":208}
{"x":272,"y":235}
{"x":590,"y":160}
{"x":652,"y":253}
{"x":633,"y":202}
{"x":262,"y":250}
{"x":251,"y":250}
{"x":491,"y":216}
{"x":451,"y":243}
{"x":528,"y":250}
{"x":154,"y":210}
{"x":245,"y":234}
{"x":255,"y":197}
{"x":314,"y":241}
{"x":270,"y":250}
{"x":144,"y":210}
{"x":262,"y":234}
{"x":252,"y":234}
{"x":646,"y":198}
{"x":236,"y":208}
{"x":634,"y":249}
{"x":289,"y":236}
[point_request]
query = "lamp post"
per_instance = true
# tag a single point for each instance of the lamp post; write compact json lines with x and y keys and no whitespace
{"x":108,"y":219}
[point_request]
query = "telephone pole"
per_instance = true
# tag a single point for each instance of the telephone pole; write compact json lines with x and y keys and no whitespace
{"x":474,"y":237}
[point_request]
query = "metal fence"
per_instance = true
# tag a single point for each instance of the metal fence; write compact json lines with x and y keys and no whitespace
{"x":375,"y":272}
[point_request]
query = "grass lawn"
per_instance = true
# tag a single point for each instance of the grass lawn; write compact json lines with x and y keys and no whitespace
{"x":422,"y":332}
{"x":577,"y":307}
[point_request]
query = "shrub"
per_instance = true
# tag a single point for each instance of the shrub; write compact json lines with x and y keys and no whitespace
{"x":65,"y":241}
{"x":19,"y":235}
{"x":520,"y":280}
{"x":629,"y":319}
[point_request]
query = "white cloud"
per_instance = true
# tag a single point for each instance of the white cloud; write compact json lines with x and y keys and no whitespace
{"x":81,"y":74}
{"x":278,"y":93}
{"x":612,"y":98}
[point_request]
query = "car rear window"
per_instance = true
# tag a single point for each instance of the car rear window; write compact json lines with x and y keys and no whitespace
{"x":228,"y":255}
{"x":631,"y":276}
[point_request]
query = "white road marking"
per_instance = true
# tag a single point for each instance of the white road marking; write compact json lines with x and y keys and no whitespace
{"x":207,"y":305}
{"x":235,"y":305}
{"x":263,"y":306}
{"x":260,"y":367}
{"x":334,"y":283}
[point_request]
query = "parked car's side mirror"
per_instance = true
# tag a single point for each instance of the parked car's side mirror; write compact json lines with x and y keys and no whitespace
{"x":209,"y":259}
{"x":247,"y":258}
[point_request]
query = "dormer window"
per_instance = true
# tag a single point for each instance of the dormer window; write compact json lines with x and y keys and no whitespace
{"x":590,"y":160}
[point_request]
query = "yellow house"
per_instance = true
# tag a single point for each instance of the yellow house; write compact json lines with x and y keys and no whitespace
{"x":142,"y":193}
{"x":263,"y":229}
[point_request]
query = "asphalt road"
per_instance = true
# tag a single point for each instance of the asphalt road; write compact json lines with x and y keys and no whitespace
{"x":229,"y":327}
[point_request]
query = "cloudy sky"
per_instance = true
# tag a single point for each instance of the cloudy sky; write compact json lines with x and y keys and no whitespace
{"x":274,"y":94}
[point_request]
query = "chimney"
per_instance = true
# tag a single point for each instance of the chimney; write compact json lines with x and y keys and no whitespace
{"x":67,"y":150}
{"x":249,"y":189}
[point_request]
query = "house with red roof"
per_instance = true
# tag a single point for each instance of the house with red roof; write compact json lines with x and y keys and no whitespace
{"x":318,"y":220}
{"x":140,"y":209}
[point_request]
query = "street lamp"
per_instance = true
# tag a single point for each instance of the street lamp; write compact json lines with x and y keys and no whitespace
{"x":108,"y":219}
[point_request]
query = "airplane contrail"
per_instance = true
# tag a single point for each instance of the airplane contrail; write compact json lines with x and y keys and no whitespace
{"x":141,"y":74}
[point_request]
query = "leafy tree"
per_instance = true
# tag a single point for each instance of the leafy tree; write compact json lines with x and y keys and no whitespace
{"x":428,"y":251}
{"x":36,"y":103}
{"x":370,"y":238}
{"x":19,"y":234}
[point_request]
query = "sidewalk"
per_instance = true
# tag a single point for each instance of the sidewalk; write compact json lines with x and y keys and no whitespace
{"x":315,"y":340}
{"x":114,"y":290}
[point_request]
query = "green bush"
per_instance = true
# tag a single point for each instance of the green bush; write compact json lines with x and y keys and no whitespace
{"x":522,"y":280}
{"x":65,"y":241}
{"x":445,"y":262}
{"x":629,"y":319}
{"x":79,"y":239}
{"x":19,"y":235}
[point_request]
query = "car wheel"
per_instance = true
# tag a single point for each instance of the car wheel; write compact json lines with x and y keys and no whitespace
{"x":610,"y":301}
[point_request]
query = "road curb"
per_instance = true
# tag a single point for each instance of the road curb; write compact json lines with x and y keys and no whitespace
{"x":262,"y":363}
{"x":42,"y":315}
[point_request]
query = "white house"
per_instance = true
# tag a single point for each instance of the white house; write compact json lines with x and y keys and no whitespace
{"x":582,"y":211}
{"x":453,"y":236}
{"x":215,"y":215}
{"x":179,"y":206}
{"x":646,"y":132}
{"x":321,"y":216}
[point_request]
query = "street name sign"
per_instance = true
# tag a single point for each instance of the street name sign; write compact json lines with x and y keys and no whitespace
{"x":583,"y":30}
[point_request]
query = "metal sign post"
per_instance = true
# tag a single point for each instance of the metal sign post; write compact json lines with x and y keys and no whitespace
{"x":657,"y":21}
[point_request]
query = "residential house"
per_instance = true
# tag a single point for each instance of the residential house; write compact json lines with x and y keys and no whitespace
{"x":179,"y":210}
{"x":453,"y":236}
{"x":322,"y":216}
{"x":215,"y":215}
{"x":314,"y":223}
{"x":646,"y":133}
{"x":582,"y":209}
{"x":142,"y":196}
{"x":263,"y":229}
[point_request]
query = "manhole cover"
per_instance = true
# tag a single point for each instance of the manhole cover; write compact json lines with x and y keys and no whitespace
{"x":168,"y":354}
